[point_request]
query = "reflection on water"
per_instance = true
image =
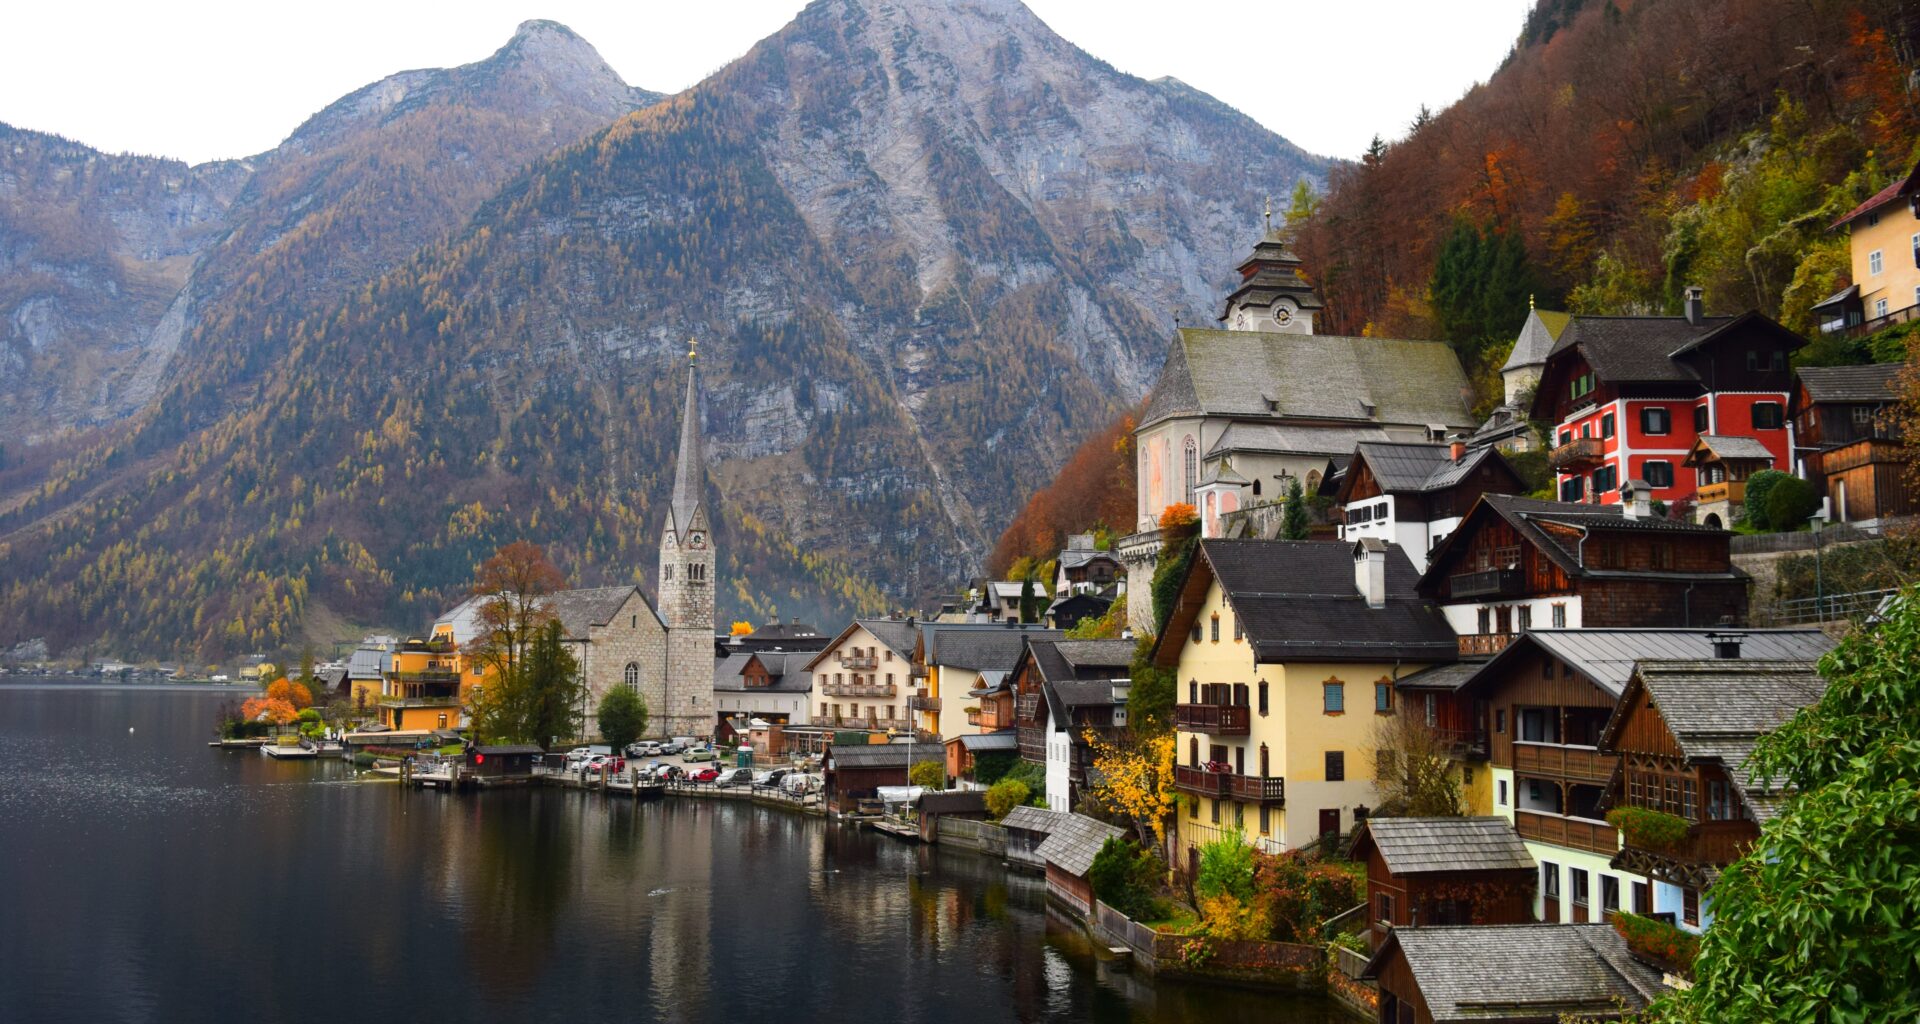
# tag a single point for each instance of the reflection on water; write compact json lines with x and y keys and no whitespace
{"x":148,"y":877}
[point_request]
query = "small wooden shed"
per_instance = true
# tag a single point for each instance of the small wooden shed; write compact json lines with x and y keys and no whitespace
{"x":502,"y":760}
{"x":1444,"y":871}
{"x":1068,"y":852}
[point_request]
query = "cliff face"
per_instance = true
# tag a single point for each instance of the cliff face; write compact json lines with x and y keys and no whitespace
{"x":925,"y":247}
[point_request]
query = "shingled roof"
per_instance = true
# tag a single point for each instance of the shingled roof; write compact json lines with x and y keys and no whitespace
{"x":1299,"y":599}
{"x":1716,"y":709}
{"x":1902,"y":185}
{"x":1416,"y":846}
{"x":1607,"y":656}
{"x":787,"y":669}
{"x":875,"y":755}
{"x":1733,"y":447}
{"x":1033,"y":819}
{"x":1292,"y":438}
{"x":1401,"y":467}
{"x":1537,"y":337}
{"x":1871,"y":383}
{"x":1527,"y":515}
{"x":1637,"y":348}
{"x":1063,"y":660}
{"x":1519,"y":971}
{"x":579,"y":610}
{"x":1075,"y":840}
{"x":1268,"y":375}
{"x":980,"y":647}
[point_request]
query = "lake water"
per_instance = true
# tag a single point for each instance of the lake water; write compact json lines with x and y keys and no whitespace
{"x":147,"y":877}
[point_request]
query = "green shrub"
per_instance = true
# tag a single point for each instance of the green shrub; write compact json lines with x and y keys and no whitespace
{"x":1004,"y":796}
{"x":1647,"y":828}
{"x":992,"y":766}
{"x":1226,"y":869}
{"x":928,"y":774}
{"x":1124,"y":877}
{"x":1789,"y":504}
{"x":1759,"y":485}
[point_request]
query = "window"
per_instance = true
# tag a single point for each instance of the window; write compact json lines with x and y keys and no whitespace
{"x":1606,"y":478}
{"x":667,"y":571}
{"x":1766,"y":416}
{"x":1550,"y":879}
{"x":632,"y":675}
{"x":1656,"y":420}
{"x":1433,"y":710}
{"x":1500,"y":792}
{"x":1216,"y":627}
{"x":1384,"y":906}
{"x":1486,"y":620}
{"x":1661,"y":555}
{"x":634,"y":622}
{"x":1879,"y":307}
{"x":1213,"y":809}
{"x":1609,"y":894}
{"x":1876,"y":262}
{"x":1383,"y":697}
{"x":1196,"y":631}
{"x":1525,"y":618}
{"x":1238,"y":633}
{"x":1690,"y":902}
{"x":1699,"y":419}
{"x":1333,"y":697}
{"x":1336,"y":766}
{"x":1863,"y":414}
{"x":1190,"y":456}
{"x":1606,"y":426}
{"x":1193,"y":691}
{"x":1578,"y":878}
{"x":1657,"y":473}
{"x":1566,"y":437}
{"x":1266,"y":819}
{"x":1500,"y":721}
{"x":1559,"y":616}
{"x":1718,"y":806}
{"x":1573,"y":488}
{"x":1263,"y":698}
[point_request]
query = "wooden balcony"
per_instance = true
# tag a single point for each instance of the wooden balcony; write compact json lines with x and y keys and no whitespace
{"x":1716,"y":843}
{"x":1229,"y":786}
{"x":1573,"y":833}
{"x":859,"y":662}
{"x":1725,"y":490}
{"x":1554,"y":761}
{"x":1212,"y":719}
{"x":432,"y":677}
{"x":989,"y":717}
{"x":1579,"y":453}
{"x":1465,"y":744}
{"x":1484,"y":643}
{"x":922,"y":702}
{"x":859,"y":689}
{"x":1488,"y":583}
{"x":421,"y":701}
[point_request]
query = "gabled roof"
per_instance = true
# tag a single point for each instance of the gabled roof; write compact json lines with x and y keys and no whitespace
{"x":1527,"y":516}
{"x":1032,"y":819}
{"x":1270,"y":375}
{"x":1074,"y":842}
{"x":1881,"y":198}
{"x":1537,"y":337}
{"x":1292,"y":439}
{"x":1417,"y":846}
{"x":1298,"y":600}
{"x":579,"y":610}
{"x":873,"y":755}
{"x":368,"y":663}
{"x":1873,"y":382}
{"x":1717,"y":708}
{"x":1519,"y":971}
{"x":980,"y":647}
{"x":1606,"y":657}
{"x":980,"y":742}
{"x":1059,"y":661}
{"x":1637,"y":348}
{"x":1402,"y":467}
{"x":897,"y":635}
{"x":786,"y":669}
{"x":1736,"y":448}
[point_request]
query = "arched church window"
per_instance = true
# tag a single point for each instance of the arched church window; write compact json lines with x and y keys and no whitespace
{"x":632,"y":675}
{"x":1190,"y":467}
{"x":1256,"y":488}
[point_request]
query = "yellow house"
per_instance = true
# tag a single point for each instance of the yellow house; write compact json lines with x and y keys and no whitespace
{"x":428,"y":683}
{"x":963,"y":666}
{"x":1883,"y":234}
{"x":1287,"y":653}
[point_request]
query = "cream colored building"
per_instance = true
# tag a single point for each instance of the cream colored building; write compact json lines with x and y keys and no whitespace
{"x":1287,"y":653}
{"x":864,"y":679}
{"x":958,"y":664}
{"x":1883,"y":235}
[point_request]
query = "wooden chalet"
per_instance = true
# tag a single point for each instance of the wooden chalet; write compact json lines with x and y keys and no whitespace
{"x":1848,"y":442}
{"x":1443,"y":871}
{"x":1413,"y":494}
{"x":1509,"y":974}
{"x":1062,"y":690}
{"x":1683,"y":733}
{"x":1068,"y":853}
{"x":1721,"y":466}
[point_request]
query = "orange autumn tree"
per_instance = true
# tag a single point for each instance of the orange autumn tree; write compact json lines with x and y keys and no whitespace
{"x":742,"y":629}
{"x":276,"y":710}
{"x":293,"y":693}
{"x":1136,"y":782}
{"x":514,"y":583}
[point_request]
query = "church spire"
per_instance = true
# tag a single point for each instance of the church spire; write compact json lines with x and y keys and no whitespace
{"x":690,"y":472}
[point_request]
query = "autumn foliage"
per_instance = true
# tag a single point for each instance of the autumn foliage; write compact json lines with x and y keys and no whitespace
{"x":276,"y":710}
{"x":1095,"y":487}
{"x":1136,"y":782}
{"x":295,"y":694}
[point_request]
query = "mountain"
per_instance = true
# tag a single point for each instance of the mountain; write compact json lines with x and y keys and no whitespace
{"x":111,"y":265}
{"x":923,"y":246}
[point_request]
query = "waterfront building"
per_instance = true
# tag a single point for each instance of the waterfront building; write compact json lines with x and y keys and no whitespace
{"x":1248,"y":409}
{"x":1883,"y":237}
{"x":1683,"y":732}
{"x":855,"y":773}
{"x":427,"y":684}
{"x":1068,"y":852}
{"x":366,"y":674}
{"x":1509,"y":974}
{"x":1064,"y":690}
{"x":1847,"y":438}
{"x":1286,"y":654}
{"x":966,"y":668}
{"x":863,"y":679}
{"x":773,"y":686}
{"x":1440,"y":871}
{"x":1547,"y":696}
{"x":1414,"y":494}
{"x":1629,"y":395}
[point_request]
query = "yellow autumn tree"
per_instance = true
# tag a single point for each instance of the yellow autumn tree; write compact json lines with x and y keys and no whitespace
{"x":1136,"y":782}
{"x":742,"y":629}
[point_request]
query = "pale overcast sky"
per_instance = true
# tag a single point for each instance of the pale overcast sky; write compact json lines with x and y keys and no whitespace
{"x":204,"y":80}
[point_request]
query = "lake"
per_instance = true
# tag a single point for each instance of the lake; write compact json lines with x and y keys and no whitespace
{"x":147,"y":877}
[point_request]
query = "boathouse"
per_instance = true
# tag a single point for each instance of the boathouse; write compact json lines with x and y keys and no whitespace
{"x":503,"y":761}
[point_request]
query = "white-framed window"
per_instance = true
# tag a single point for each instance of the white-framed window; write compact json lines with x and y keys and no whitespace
{"x":1876,"y":262}
{"x":632,"y":675}
{"x":1879,"y":307}
{"x":1190,"y":467}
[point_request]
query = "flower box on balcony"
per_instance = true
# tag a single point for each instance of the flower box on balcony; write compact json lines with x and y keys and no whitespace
{"x":1658,"y":942}
{"x":1649,"y":829}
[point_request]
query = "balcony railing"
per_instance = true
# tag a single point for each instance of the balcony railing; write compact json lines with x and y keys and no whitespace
{"x":922,"y":702}
{"x":1228,"y":785}
{"x":1712,"y":842}
{"x":1557,"y":761}
{"x":1561,"y":830}
{"x":1484,"y":643}
{"x":874,"y":723}
{"x":859,"y":689}
{"x":450,"y":700}
{"x":1581,"y":451}
{"x":859,"y":661}
{"x":1212,"y":719}
{"x":988,"y":717}
{"x":1725,"y":490}
{"x":428,"y":678}
{"x":1489,"y":583}
{"x":1465,"y":744}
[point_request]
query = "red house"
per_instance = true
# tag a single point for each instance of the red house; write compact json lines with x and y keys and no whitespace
{"x":1629,"y":396}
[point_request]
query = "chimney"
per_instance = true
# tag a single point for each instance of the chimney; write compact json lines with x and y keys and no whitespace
{"x":1457,"y":450}
{"x":1637,"y":499}
{"x":1726,"y":646}
{"x":1696,"y":305}
{"x":1370,"y":570}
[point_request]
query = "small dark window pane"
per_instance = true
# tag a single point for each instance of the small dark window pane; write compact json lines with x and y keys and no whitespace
{"x":1655,"y":420}
{"x":1699,"y":419}
{"x":1657,"y":473}
{"x":1336,"y":766}
{"x":1766,"y":416}
{"x":1606,"y":425}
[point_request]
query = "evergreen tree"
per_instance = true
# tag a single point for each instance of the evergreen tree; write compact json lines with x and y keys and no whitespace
{"x":1027,"y":601}
{"x":1293,"y":520}
{"x":1482,"y":286}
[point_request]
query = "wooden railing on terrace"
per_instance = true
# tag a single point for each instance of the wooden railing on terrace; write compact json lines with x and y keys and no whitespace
{"x":1212,"y":719}
{"x":1560,"y":830}
{"x":1557,"y":761}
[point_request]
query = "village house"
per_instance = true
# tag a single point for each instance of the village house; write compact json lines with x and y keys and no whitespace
{"x":1548,"y":695}
{"x":367,"y":669}
{"x":1083,"y":567}
{"x":772,"y":686}
{"x":1414,"y":494}
{"x":1883,"y":236}
{"x":1516,"y":564}
{"x":1509,"y":974}
{"x":1073,"y":609}
{"x":1265,"y":402}
{"x":964,"y":668}
{"x":1423,"y":872}
{"x":1629,"y":395}
{"x":1683,"y":732}
{"x":1063,"y":691}
{"x":1848,"y":441}
{"x":863,"y":679}
{"x":427,"y":684}
{"x":1281,"y":650}
{"x":1720,"y":467}
{"x":1027,"y":828}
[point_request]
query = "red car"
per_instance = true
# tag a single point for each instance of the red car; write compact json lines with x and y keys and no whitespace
{"x":707,"y":774}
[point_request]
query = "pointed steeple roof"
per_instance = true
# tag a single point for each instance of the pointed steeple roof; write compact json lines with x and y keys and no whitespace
{"x":1270,"y":272}
{"x":690,"y":471}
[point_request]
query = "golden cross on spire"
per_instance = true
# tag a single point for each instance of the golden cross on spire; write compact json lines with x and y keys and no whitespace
{"x":1529,"y":300}
{"x":1268,"y":212}
{"x":692,"y":349}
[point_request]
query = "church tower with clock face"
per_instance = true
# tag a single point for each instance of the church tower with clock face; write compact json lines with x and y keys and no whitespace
{"x":686,"y":586}
{"x":1272,"y":295}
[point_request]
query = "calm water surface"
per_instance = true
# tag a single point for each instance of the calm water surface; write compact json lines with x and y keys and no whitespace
{"x":146,"y":877}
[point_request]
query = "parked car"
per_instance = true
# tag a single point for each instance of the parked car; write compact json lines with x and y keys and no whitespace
{"x":595,"y":764}
{"x":646,"y":748}
{"x":707,"y":774}
{"x":671,"y":747}
{"x":702,"y":753}
{"x":772,"y":776}
{"x":736,"y":777}
{"x":669,"y":772}
{"x":798,"y":784}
